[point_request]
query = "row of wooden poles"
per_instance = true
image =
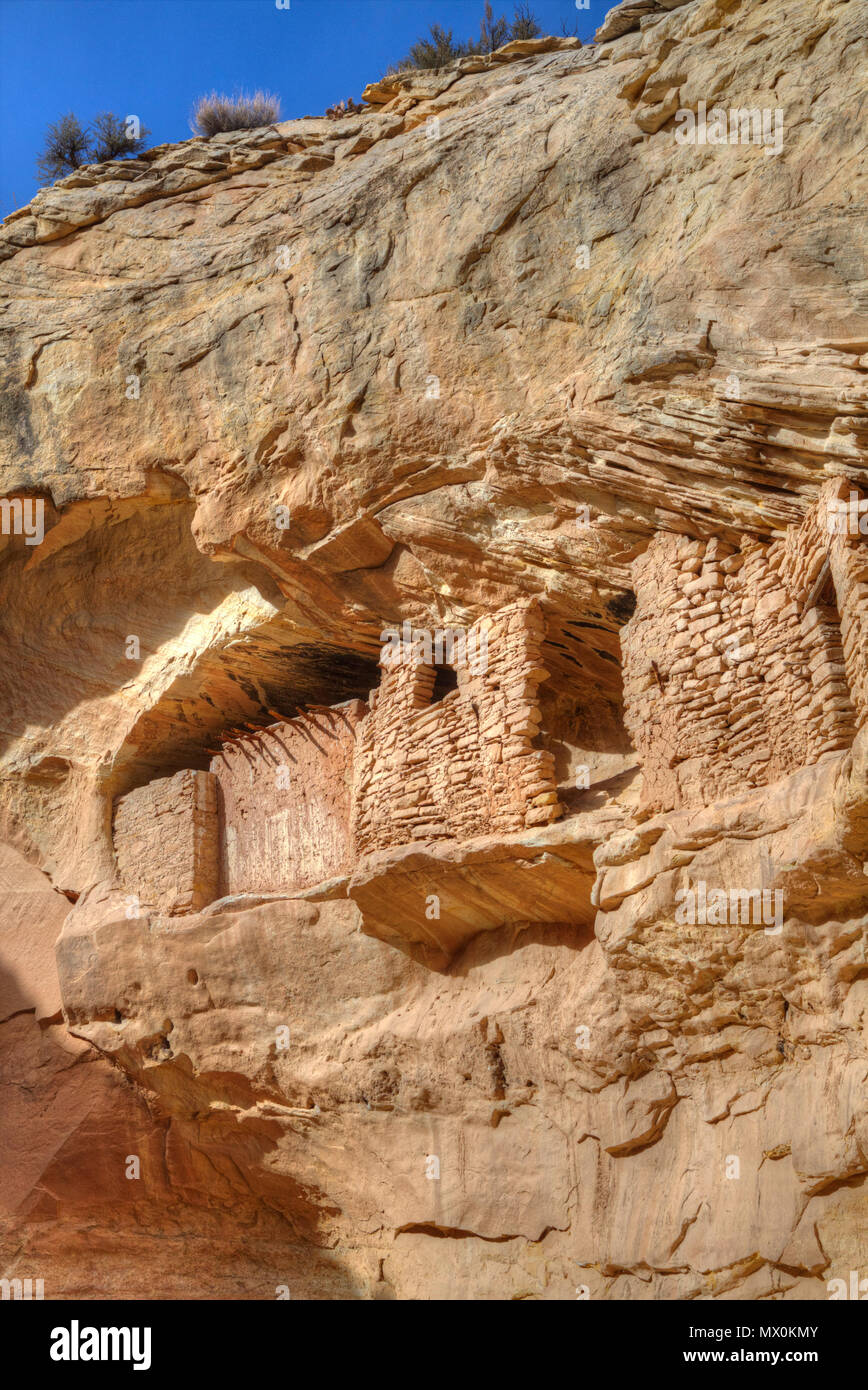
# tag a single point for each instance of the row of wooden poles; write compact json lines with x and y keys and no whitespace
{"x":237,"y":734}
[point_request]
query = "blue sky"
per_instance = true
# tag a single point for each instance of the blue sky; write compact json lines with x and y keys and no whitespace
{"x":152,"y":58}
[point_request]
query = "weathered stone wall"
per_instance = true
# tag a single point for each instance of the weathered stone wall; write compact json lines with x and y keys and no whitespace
{"x":301,"y":801}
{"x":284,"y":798}
{"x":835,"y":533}
{"x":466,"y":765}
{"x":735,"y":673}
{"x":165,"y":837}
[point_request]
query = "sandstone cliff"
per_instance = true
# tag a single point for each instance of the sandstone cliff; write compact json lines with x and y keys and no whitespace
{"x":419,"y":994}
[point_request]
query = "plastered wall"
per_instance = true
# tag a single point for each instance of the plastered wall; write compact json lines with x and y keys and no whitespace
{"x":166,"y":842}
{"x":285,"y":802}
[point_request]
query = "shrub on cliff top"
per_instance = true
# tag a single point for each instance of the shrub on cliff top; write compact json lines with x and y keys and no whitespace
{"x":216,"y":112}
{"x":69,"y":144}
{"x":524,"y":25}
{"x":440,"y":49}
{"x":436,"y":51}
{"x":66,"y":148}
{"x":112,"y":136}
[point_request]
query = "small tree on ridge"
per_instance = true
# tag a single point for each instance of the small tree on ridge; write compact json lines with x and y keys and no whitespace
{"x":69,"y":144}
{"x":67,"y":147}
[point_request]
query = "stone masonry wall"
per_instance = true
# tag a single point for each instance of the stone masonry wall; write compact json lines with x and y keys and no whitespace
{"x":284,"y":798}
{"x":467,"y":764}
{"x":165,"y":837}
{"x":303,"y":800}
{"x":837,"y":530}
{"x":732,"y":678}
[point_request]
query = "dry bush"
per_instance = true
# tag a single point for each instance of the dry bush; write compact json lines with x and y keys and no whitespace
{"x":110,"y":138}
{"x":217,"y":112}
{"x":440,"y":49}
{"x":69,"y":145}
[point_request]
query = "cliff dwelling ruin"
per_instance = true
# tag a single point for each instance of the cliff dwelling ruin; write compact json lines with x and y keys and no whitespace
{"x":301,"y":801}
{"x":740,"y":665}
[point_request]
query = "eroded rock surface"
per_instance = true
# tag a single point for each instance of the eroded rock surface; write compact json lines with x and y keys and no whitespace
{"x":550,"y":978}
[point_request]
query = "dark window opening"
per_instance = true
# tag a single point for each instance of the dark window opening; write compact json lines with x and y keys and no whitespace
{"x":445,"y":679}
{"x":622,"y":607}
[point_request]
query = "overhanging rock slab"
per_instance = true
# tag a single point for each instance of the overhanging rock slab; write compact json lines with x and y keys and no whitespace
{"x":443,"y":894}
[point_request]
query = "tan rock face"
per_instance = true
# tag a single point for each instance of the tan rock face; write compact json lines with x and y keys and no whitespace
{"x":439,"y":977}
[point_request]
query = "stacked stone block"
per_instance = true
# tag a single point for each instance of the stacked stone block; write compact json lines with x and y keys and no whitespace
{"x":466,"y":765}
{"x":738,"y":666}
